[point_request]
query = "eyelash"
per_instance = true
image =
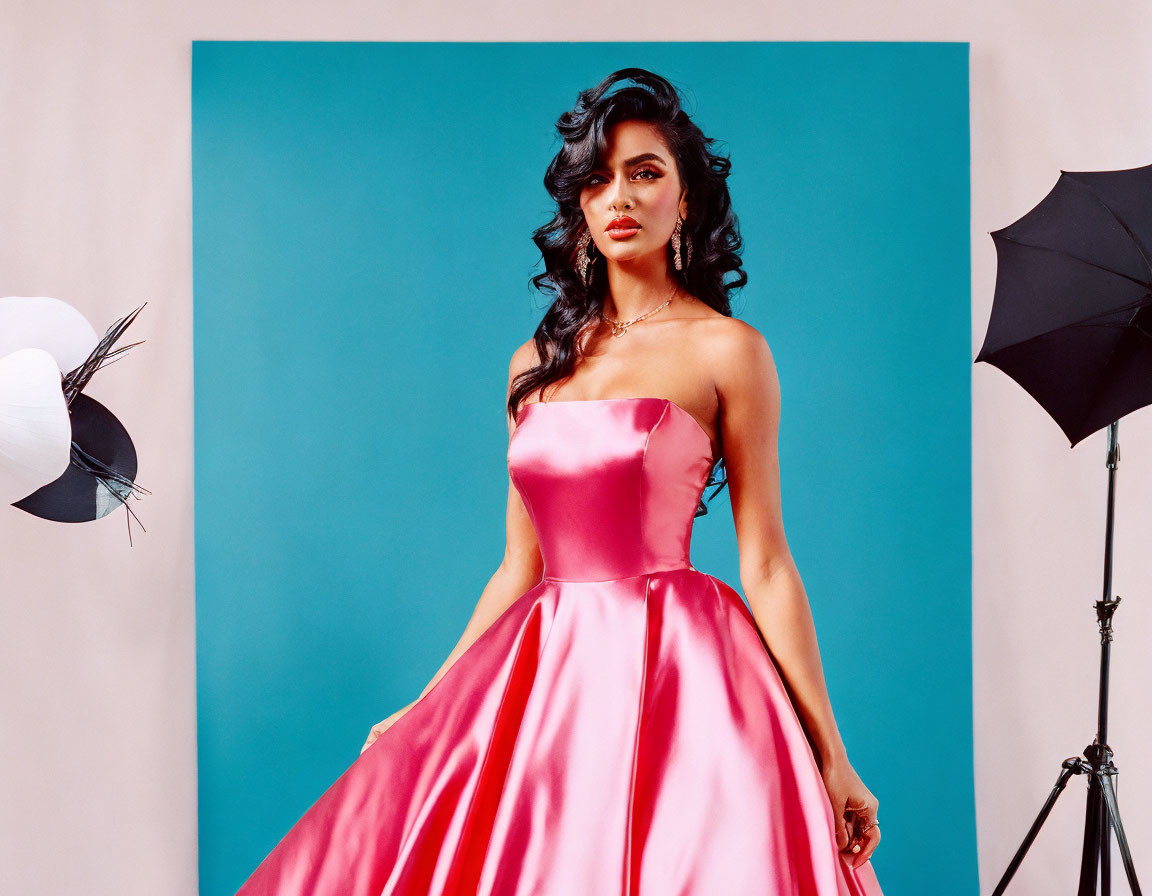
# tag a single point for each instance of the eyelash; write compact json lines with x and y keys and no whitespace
{"x":655,"y":175}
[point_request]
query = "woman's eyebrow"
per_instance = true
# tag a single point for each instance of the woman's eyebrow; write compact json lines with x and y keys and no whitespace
{"x":636,"y":160}
{"x":643,"y":157}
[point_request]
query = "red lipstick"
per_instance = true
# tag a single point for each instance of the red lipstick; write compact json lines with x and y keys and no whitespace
{"x":622,"y":228}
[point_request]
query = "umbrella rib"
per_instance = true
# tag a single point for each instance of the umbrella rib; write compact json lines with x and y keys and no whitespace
{"x":1145,"y":283}
{"x":1079,"y":323}
{"x":1115,"y":217}
{"x":1090,"y":322}
{"x":1137,"y":305}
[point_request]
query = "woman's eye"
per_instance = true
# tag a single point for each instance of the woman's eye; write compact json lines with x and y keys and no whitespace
{"x":591,"y":181}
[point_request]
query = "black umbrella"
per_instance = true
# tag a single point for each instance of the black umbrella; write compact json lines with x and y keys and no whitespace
{"x":1072,"y":323}
{"x":102,"y":459}
{"x":1072,"y":311}
{"x":99,"y":478}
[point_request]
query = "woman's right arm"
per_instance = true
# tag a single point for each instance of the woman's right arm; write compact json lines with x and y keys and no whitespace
{"x":520,"y":569}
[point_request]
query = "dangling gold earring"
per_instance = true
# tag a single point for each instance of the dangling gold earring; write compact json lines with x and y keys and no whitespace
{"x":676,"y":246}
{"x":583,"y":260}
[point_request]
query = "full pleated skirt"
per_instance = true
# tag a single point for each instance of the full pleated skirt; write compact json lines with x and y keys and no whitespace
{"x":630,"y":737}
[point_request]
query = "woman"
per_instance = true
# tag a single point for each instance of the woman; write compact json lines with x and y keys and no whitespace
{"x":612,"y":720}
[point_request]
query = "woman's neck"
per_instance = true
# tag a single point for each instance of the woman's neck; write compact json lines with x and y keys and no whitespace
{"x":636,"y":288}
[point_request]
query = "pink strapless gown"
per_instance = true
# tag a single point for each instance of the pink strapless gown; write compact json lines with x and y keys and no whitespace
{"x":620,"y":730}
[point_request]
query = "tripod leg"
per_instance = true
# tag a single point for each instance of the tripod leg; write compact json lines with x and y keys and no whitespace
{"x":1105,"y":851}
{"x":1090,"y":855}
{"x":1070,"y":767}
{"x":1108,"y":790}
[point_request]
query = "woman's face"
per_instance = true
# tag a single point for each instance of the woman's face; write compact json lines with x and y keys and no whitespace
{"x":637,"y":179}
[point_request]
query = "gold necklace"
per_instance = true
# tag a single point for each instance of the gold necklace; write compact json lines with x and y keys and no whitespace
{"x":619,"y":329}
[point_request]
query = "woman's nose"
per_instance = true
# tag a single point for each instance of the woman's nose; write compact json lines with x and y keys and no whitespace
{"x":620,"y":202}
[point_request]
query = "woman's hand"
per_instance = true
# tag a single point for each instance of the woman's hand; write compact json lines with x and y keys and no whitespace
{"x":380,"y":727}
{"x":854,"y":808}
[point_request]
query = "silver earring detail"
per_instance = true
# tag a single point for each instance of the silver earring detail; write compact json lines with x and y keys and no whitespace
{"x":583,"y":261}
{"x":676,"y":246}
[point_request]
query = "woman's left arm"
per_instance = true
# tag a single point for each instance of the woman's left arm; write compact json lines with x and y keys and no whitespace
{"x":749,"y":397}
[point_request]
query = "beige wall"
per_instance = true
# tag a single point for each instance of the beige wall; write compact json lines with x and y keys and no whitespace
{"x":97,"y":696}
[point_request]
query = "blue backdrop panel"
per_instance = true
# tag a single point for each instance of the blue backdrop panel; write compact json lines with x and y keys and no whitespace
{"x":361,"y":260}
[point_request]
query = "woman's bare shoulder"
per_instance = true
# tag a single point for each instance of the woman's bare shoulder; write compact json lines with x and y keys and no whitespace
{"x":711,"y":359}
{"x":731,"y":341}
{"x":524,"y":358}
{"x":737,"y":355}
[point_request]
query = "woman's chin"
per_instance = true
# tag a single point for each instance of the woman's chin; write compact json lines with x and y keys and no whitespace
{"x":631,"y":250}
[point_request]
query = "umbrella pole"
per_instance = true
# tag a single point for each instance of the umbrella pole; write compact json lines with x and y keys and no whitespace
{"x":1102,"y":812}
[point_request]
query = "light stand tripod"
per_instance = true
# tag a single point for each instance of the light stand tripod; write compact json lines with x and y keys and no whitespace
{"x":1102,"y":815}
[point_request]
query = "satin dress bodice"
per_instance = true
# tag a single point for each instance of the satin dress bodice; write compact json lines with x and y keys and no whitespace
{"x":611,"y":485}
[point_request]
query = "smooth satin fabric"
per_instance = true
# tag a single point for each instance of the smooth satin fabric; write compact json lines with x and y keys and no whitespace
{"x":620,"y":730}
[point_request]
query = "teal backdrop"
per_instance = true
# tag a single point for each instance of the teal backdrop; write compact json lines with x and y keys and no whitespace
{"x":362,"y":221}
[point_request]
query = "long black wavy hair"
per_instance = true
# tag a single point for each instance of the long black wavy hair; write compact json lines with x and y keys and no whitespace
{"x":711,"y":226}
